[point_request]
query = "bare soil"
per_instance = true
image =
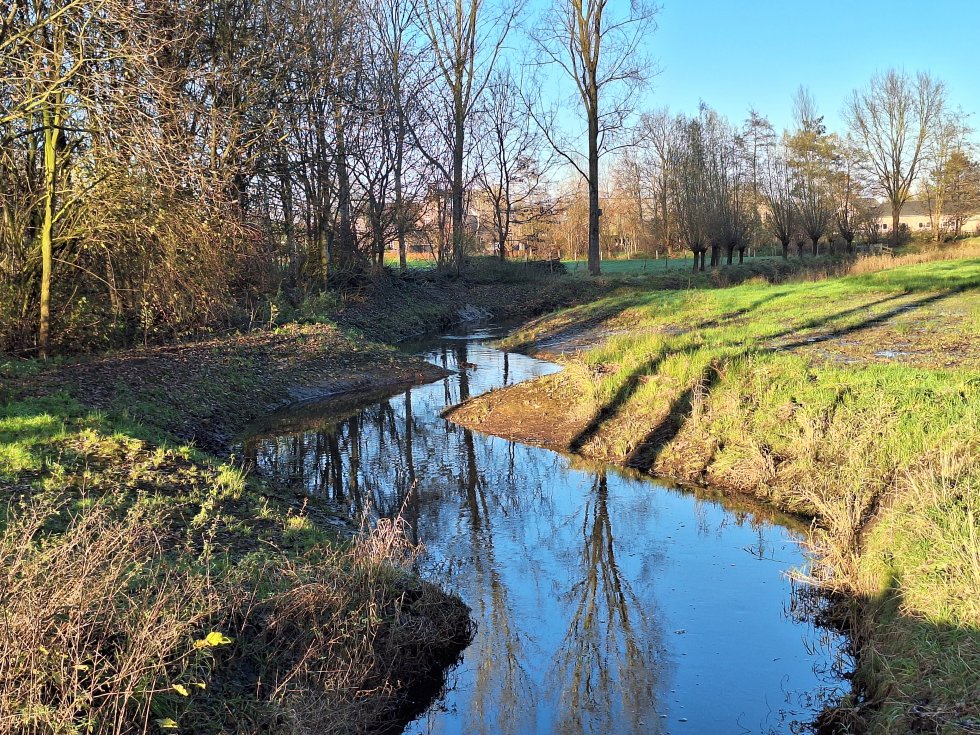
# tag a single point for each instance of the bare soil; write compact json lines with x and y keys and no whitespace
{"x":206,"y":392}
{"x":533,"y":412}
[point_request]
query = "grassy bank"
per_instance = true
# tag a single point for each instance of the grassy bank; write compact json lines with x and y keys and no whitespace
{"x":146,"y":586}
{"x":855,"y":400}
{"x":397,"y":306}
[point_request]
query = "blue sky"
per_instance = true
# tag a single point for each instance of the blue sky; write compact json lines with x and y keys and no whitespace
{"x":733,"y":54}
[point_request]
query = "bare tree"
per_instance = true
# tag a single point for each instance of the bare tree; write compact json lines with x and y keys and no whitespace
{"x":846,"y":188}
{"x":657,"y":135}
{"x":466,"y":38}
{"x":691,"y":167}
{"x":893,"y":119}
{"x":392,"y":26}
{"x":599,"y":49}
{"x":512,"y":166}
{"x":947,"y":160}
{"x":776,"y":190}
{"x":962,"y":180}
{"x":811,"y":160}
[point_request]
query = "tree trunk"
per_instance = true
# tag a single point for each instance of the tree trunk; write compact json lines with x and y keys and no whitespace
{"x":594,"y":211}
{"x":324,"y":252}
{"x":896,"y":221}
{"x":816,"y":246}
{"x":785,"y":250}
{"x":399,"y":203}
{"x":504,"y":231}
{"x":741,"y":256}
{"x":51,"y":123}
{"x":344,"y":252}
{"x":457,"y":194}
{"x":730,"y":254}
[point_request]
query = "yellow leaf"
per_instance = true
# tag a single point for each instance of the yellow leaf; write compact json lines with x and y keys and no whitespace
{"x":181,"y":690}
{"x":214,"y":638}
{"x":82,"y":667}
{"x":167,"y":724}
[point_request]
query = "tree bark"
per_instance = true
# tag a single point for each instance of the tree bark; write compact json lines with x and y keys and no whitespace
{"x":51,"y":124}
{"x":594,"y":211}
{"x":399,"y":195}
{"x":457,"y":193}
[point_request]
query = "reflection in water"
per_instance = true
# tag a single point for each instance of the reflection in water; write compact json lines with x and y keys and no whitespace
{"x":606,"y":666}
{"x":604,"y":602}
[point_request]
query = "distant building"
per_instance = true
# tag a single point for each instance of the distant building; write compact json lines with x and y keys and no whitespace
{"x":915,"y":216}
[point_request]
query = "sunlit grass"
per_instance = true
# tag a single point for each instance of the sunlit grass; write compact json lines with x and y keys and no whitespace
{"x":780,"y":391}
{"x":121,"y":550}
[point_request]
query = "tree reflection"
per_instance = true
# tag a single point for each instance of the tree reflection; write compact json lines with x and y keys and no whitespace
{"x":607,"y":668}
{"x":502,"y":685}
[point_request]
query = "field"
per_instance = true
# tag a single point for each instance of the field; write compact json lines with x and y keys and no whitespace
{"x":854,"y":400}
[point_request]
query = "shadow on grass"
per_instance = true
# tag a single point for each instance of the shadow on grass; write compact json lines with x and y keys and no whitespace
{"x":868,"y":323}
{"x":907,"y":673}
{"x":648,"y":449}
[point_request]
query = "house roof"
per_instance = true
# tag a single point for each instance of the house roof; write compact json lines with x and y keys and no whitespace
{"x":909,"y":209}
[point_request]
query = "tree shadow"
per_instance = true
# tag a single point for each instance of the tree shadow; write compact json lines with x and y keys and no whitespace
{"x":645,"y":453}
{"x":871,"y":321}
{"x":587,"y":318}
{"x":619,"y":399}
{"x":731,"y":316}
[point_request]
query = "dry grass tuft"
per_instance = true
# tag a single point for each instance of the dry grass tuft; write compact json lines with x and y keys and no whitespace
{"x":96,"y":631}
{"x":104,"y":630}
{"x":877,"y":263}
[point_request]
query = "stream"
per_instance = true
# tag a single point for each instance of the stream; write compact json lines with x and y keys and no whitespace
{"x":605,"y":601}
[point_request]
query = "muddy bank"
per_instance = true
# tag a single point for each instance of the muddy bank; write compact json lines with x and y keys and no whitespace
{"x":205,"y":392}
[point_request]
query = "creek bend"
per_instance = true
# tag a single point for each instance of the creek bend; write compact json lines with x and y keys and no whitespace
{"x":605,"y":601}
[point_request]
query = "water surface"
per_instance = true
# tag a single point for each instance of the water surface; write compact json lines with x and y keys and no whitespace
{"x":605,"y":602}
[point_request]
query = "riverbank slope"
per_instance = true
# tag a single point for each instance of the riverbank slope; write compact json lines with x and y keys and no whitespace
{"x":147,"y":584}
{"x":854,"y":400}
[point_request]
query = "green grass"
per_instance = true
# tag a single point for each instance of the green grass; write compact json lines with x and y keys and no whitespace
{"x":121,"y":549}
{"x":646,"y":266}
{"x":781,"y":391}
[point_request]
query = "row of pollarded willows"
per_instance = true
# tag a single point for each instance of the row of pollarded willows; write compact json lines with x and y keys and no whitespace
{"x":147,"y":588}
{"x":854,"y":400}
